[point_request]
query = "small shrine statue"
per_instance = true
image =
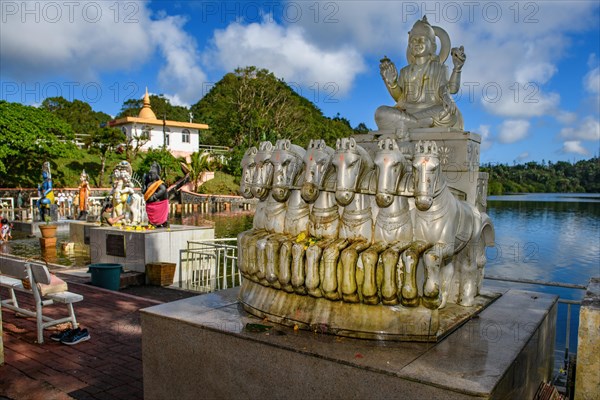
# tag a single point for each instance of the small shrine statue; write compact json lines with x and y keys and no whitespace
{"x":156,"y":196}
{"x":84,"y":194}
{"x":422,"y":89}
{"x":45,"y":192}
{"x":126,"y":201}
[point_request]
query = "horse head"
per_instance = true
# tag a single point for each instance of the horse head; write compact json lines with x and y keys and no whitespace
{"x":287,"y":160}
{"x":263,"y":171}
{"x":352,"y":162}
{"x":248,"y":165}
{"x":317,"y":161}
{"x":426,"y":174}
{"x":389,"y":163}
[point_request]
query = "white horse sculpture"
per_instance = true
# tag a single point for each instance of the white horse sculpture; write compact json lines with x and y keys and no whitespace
{"x":456,"y":231}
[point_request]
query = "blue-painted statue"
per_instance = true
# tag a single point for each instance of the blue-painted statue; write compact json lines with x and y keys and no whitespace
{"x":45,"y":193}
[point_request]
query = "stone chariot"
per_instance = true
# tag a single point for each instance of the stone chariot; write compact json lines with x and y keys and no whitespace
{"x":382,"y":235}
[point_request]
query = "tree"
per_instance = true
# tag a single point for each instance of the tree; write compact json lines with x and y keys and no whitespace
{"x":135,"y":142}
{"x":79,"y":114}
{"x":251,"y":105}
{"x":104,"y":140}
{"x":30,"y":136}
{"x":169,"y":165}
{"x":361,"y":128}
{"x":199,"y":163}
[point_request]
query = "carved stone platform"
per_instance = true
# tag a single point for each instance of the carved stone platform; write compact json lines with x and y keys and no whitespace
{"x":358,"y":320}
{"x":203,"y":347}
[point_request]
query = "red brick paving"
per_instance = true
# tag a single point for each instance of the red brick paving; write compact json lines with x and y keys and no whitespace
{"x":108,"y":366}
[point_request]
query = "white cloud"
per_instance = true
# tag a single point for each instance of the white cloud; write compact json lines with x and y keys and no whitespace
{"x":516,"y":49}
{"x":486,"y":137}
{"x":588,"y":129}
{"x":513,"y":131}
{"x":566,"y":117}
{"x":535,"y":72}
{"x":523,"y":156}
{"x":181,"y":73}
{"x":286,"y":52}
{"x":76,"y":39}
{"x":591,"y":81}
{"x":574,"y":146}
{"x":82,"y":40}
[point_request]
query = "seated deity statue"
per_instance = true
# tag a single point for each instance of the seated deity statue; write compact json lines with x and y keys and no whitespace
{"x":422,"y":89}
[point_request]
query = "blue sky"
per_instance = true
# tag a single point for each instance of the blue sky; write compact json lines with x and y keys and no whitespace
{"x":531,"y":82}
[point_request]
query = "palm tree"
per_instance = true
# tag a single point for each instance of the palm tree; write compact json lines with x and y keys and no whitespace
{"x":199,"y":163}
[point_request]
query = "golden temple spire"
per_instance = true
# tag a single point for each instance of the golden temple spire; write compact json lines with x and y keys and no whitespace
{"x":146,"y":111}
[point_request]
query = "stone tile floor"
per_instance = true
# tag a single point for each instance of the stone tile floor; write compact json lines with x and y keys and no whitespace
{"x":108,"y":366}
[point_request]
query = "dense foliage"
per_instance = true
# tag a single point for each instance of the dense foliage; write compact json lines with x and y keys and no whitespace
{"x":532,"y":177}
{"x":30,"y":136}
{"x":221,"y":184}
{"x":251,"y":105}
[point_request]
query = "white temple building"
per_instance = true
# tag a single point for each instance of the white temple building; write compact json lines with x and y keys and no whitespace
{"x":181,"y":138}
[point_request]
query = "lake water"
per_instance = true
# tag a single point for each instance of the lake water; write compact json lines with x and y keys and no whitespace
{"x":547,"y":237}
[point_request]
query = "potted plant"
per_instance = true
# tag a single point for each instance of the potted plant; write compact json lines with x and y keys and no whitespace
{"x":48,"y":230}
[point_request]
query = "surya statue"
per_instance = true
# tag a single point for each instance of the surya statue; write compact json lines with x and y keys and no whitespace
{"x":422,"y":89}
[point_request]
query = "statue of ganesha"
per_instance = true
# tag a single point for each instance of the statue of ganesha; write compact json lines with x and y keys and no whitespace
{"x":156,"y":197}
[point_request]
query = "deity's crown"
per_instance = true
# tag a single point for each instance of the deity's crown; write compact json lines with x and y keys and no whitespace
{"x":46,"y":169}
{"x":423,"y":28}
{"x":155,"y":168}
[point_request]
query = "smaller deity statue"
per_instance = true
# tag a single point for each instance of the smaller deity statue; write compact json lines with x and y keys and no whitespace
{"x":422,"y":89}
{"x":45,"y":192}
{"x":126,"y":201}
{"x":156,"y":196}
{"x":84,"y":195}
{"x":20,"y":200}
{"x":5,"y":230}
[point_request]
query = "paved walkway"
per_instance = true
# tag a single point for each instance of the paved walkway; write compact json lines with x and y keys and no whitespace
{"x":108,"y":366}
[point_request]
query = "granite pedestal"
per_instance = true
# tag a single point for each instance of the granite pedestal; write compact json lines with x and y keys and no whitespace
{"x":134,"y":249}
{"x":203,"y":347}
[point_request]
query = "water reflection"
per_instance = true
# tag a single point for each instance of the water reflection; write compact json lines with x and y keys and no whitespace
{"x":545,"y":240}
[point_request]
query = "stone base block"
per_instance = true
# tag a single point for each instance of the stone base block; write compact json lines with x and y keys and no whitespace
{"x":358,"y":320}
{"x":208,"y":346}
{"x":134,"y":249}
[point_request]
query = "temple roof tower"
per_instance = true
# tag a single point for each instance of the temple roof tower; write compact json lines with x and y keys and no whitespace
{"x":146,"y":111}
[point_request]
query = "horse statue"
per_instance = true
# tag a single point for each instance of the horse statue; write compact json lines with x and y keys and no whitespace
{"x":354,"y":172}
{"x":323,"y":224}
{"x":393,"y":229}
{"x":287,"y":161}
{"x":273,"y":214}
{"x":455,"y":230}
{"x":248,"y":167}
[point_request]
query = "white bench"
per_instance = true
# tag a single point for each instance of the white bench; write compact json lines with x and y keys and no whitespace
{"x":13,"y":271}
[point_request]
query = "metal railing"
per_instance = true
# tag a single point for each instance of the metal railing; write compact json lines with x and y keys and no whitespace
{"x":209,"y":265}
